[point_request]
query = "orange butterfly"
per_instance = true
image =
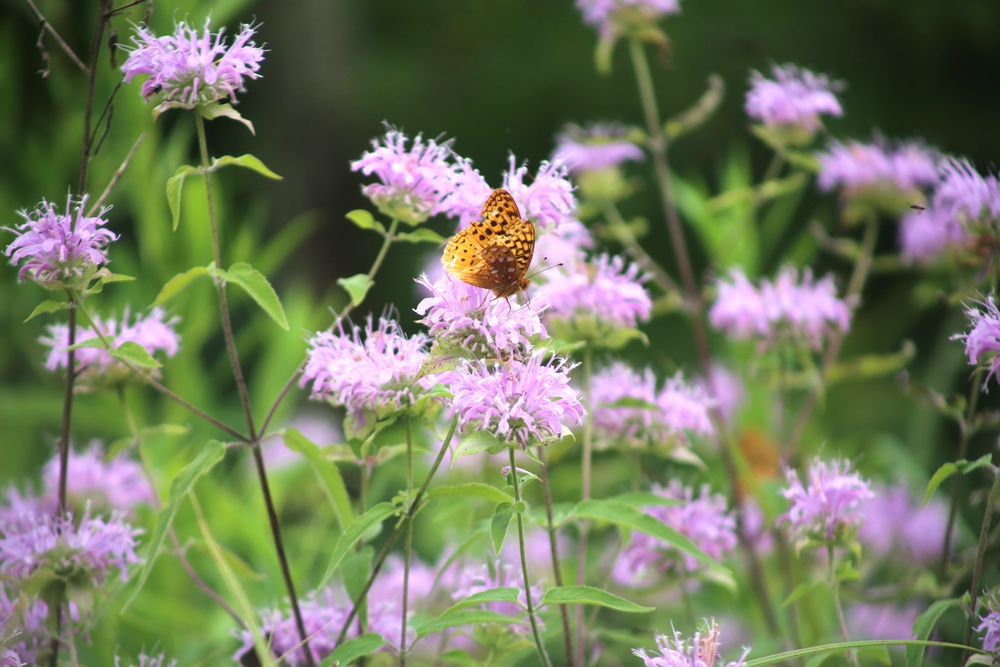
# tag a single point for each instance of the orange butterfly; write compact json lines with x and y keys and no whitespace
{"x":494,"y":253}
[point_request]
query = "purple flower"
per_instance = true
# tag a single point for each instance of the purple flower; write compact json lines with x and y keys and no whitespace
{"x":84,"y":552}
{"x":476,"y":579}
{"x":323,"y":614}
{"x":517,"y":401}
{"x":964,"y":194}
{"x":610,"y":16}
{"x":414,"y":181}
{"x":877,"y":169}
{"x":461,"y":315}
{"x":629,"y":409}
{"x":188,"y":68}
{"x":882,"y":621}
{"x":368,"y":371}
{"x":725,"y":387}
{"x":828,"y":508}
{"x":983,"y":342}
{"x":896,"y":524}
{"x":598,"y":146}
{"x":153,"y":332}
{"x":795,"y":98}
{"x":702,"y":650}
{"x":148,"y":661}
{"x":118,"y":484}
{"x":22,"y":626}
{"x":926,"y":235}
{"x":60,"y":250}
{"x":990,"y":624}
{"x":704,"y":520}
{"x":591,"y":300}
{"x":787,"y":308}
{"x":385,"y":599}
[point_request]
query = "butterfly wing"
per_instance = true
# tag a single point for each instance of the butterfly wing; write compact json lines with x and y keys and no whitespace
{"x":501,"y":215}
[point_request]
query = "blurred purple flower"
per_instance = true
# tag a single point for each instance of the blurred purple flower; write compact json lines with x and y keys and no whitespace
{"x":323,"y":614}
{"x":726,"y":389}
{"x":983,"y":342}
{"x":25,"y":632}
{"x":60,"y":249}
{"x":148,"y":661}
{"x":476,"y":579}
{"x":190,"y":68}
{"x":896,"y":524}
{"x":964,"y":194}
{"x":461,"y":315}
{"x":794,"y":98}
{"x":702,"y":650}
{"x":804,"y":310}
{"x":990,"y":624}
{"x":890,"y":620}
{"x":829,"y":507}
{"x":153,"y":332}
{"x":373,"y":369}
{"x":924,"y":235}
{"x":415,"y":181}
{"x":116,"y":484}
{"x":385,"y":599}
{"x":518,"y":401}
{"x":877,"y":167}
{"x":597,"y":297}
{"x":597,"y":146}
{"x":605,"y":15}
{"x":704,"y":520}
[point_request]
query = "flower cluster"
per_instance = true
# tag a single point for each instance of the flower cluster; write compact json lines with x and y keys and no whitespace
{"x":366,"y":370}
{"x":896,"y":524}
{"x":702,"y":650}
{"x":629,"y":409}
{"x":22,"y":628}
{"x":117,"y":484}
{"x":982,"y":343}
{"x":794,"y":99}
{"x":595,"y":147}
{"x":828,"y":508}
{"x":612,"y":16}
{"x":805,"y":311}
{"x":153,"y":332}
{"x":990,"y":624}
{"x":58,"y":250}
{"x":414,"y":182}
{"x":477,"y":579}
{"x":522,"y":401}
{"x":704,"y":520}
{"x":189,"y":67}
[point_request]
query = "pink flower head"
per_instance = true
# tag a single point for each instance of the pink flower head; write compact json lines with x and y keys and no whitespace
{"x":118,"y":484}
{"x":597,"y":146}
{"x":896,"y":524}
{"x":599,"y":296}
{"x":990,"y":624}
{"x":57,"y":250}
{"x":189,"y":68}
{"x":983,"y":342}
{"x":878,"y":167}
{"x":965,"y":194}
{"x":414,"y":181}
{"x":882,"y":621}
{"x":925,"y":235}
{"x":702,"y":650}
{"x":794,"y":98}
{"x":828,"y":507}
{"x":608,"y":15}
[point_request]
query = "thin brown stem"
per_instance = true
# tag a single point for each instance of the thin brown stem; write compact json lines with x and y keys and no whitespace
{"x":956,"y":482}
{"x":554,"y":549}
{"x":88,"y":109}
{"x":56,"y":36}
{"x":67,"y":415}
{"x":980,"y":555}
{"x":116,"y":177}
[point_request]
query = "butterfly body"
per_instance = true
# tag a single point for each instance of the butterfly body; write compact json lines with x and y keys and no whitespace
{"x":493,"y":253}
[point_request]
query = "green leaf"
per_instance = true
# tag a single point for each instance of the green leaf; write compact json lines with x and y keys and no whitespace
{"x":175,"y":184}
{"x":802,"y":590}
{"x":640,"y":499}
{"x":215,"y":110}
{"x":179,"y":282}
{"x":476,"y":442}
{"x":355,"y":569}
{"x":502,"y":515}
{"x":444,"y":356}
{"x":47,"y":306}
{"x":464,"y":617}
{"x":354,"y":532}
{"x":925,"y":623}
{"x":247,"y":162}
{"x":591,"y":595}
{"x":421,"y":235}
{"x":326,"y":471}
{"x":459,"y":657}
{"x":207,"y":458}
{"x":357,"y":287}
{"x":353,"y":649}
{"x":135,"y":354}
{"x":471,"y":490}
{"x":941,"y":474}
{"x":365,"y":220}
{"x":256,"y":285}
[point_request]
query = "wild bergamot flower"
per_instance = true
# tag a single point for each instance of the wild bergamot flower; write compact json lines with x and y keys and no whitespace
{"x":828,"y":507}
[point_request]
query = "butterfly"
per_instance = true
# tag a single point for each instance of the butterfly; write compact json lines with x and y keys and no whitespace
{"x":495,"y":252}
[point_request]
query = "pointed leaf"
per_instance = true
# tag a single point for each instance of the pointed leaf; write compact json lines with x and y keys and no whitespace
{"x":443,"y":357}
{"x":421,"y":235}
{"x":353,"y":649}
{"x":925,"y":623}
{"x":179,"y":282}
{"x":327,"y":471}
{"x":472,"y":490}
{"x":47,"y":306}
{"x":175,"y":184}
{"x":474,"y":443}
{"x":256,"y":285}
{"x":591,"y":595}
{"x":465,"y":617}
{"x":942,"y":473}
{"x":136,"y":354}
{"x":355,"y":569}
{"x":219,"y":110}
{"x":354,"y":532}
{"x":207,"y":458}
{"x":356,"y":286}
{"x":502,"y":515}
{"x":247,"y":162}
{"x":365,"y":220}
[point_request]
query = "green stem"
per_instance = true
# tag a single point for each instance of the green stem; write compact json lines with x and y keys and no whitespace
{"x":408,"y":544}
{"x":956,"y":482}
{"x":67,"y":415}
{"x":554,"y":549}
{"x":588,"y":446}
{"x":835,"y":591}
{"x":524,"y":564}
{"x":980,"y":555}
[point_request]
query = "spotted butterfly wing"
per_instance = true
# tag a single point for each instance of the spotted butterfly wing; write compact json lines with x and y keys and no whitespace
{"x":494,"y":253}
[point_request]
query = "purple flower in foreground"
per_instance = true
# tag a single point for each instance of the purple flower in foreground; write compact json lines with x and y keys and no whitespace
{"x":990,"y":624}
{"x":189,"y":68}
{"x":84,"y":552}
{"x":878,"y":169}
{"x":983,"y":342}
{"x":153,"y":332}
{"x":148,"y":661}
{"x":60,"y":249}
{"x":704,"y":520}
{"x":882,"y":621}
{"x":369,"y":370}
{"x":795,"y":98}
{"x":965,"y":194}
{"x":926,"y":235}
{"x":415,"y":180}
{"x":589,"y":300}
{"x":828,"y":508}
{"x":805,"y":310}
{"x":518,"y":401}
{"x":462,"y":315}
{"x":118,"y":484}
{"x":477,"y":579}
{"x":896,"y":524}
{"x":607,"y":15}
{"x":702,"y":650}
{"x":598,"y":146}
